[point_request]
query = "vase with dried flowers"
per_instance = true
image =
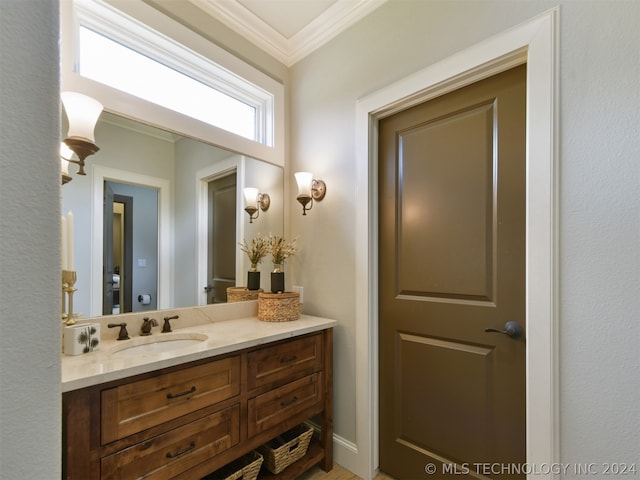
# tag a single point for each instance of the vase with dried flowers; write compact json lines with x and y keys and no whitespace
{"x":256,"y":251}
{"x":280,"y":251}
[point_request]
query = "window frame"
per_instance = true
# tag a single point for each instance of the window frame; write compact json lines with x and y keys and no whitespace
{"x":144,"y":29}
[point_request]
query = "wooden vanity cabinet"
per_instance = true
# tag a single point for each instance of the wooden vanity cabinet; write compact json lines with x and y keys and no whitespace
{"x":187,"y":421}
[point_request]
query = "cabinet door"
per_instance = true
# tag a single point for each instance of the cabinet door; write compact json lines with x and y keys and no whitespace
{"x":285,"y":361}
{"x":166,"y":455}
{"x":277,"y":406}
{"x":139,"y":405}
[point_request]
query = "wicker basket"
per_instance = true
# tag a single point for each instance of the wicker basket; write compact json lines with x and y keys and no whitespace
{"x":287,"y":448}
{"x":241,"y":294}
{"x":279,"y":307}
{"x":244,"y":468}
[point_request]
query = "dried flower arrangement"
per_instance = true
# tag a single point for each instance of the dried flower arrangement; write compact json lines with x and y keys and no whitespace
{"x":281,"y":249}
{"x":259,"y":248}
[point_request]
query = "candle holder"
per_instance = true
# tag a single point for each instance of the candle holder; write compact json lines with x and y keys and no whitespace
{"x":64,"y":299}
{"x":68,"y":281}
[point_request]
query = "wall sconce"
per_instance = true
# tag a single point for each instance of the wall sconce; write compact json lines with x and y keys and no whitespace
{"x":82,"y":113}
{"x":255,"y":201}
{"x":309,"y":189}
{"x":66,"y":154}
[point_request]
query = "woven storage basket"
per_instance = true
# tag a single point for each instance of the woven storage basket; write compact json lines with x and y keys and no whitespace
{"x":241,"y":294}
{"x":244,"y":468}
{"x":287,"y":448}
{"x":278,"y":307}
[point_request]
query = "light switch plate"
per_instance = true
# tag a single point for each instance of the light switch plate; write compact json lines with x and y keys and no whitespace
{"x":299,"y":290}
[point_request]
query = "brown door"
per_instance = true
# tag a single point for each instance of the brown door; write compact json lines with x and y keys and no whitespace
{"x":221,"y":271}
{"x":452,"y":263}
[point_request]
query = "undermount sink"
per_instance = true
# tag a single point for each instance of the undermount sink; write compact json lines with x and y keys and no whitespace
{"x":162,"y":342}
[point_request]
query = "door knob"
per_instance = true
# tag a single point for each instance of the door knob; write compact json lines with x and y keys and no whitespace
{"x":511,"y":329}
{"x":208,"y":288}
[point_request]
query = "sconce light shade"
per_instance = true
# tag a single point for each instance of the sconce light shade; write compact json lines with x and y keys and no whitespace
{"x":309,"y":189}
{"x":251,"y":198}
{"x":254,"y":201}
{"x":82,"y":113}
{"x":304,"y":180}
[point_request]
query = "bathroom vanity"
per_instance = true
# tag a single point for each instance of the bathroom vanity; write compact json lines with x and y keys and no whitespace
{"x":185,"y":413}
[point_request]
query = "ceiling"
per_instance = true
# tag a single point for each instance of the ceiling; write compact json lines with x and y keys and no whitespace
{"x":286,"y":29}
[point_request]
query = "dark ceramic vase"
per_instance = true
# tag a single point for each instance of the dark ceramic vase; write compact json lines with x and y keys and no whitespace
{"x":253,"y":280}
{"x":277,"y":279}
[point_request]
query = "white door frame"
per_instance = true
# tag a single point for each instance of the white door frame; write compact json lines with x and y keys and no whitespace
{"x":534,"y":42}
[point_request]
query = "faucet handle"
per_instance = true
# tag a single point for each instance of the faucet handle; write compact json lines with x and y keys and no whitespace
{"x":123,"y":334}
{"x":166,"y":328}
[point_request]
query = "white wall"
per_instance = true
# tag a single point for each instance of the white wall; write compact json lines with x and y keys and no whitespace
{"x":30,"y":400}
{"x":598,"y":193}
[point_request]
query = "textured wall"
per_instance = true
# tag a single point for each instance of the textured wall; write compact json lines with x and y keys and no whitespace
{"x":29,"y":240}
{"x":600,"y":232}
{"x":598,"y":192}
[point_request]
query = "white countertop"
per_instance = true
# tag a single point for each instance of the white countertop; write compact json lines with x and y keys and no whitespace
{"x":227,"y":336}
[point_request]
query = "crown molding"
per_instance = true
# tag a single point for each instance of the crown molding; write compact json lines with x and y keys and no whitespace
{"x":337,"y":18}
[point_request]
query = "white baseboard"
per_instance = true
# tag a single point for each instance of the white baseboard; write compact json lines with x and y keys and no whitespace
{"x":345,"y":453}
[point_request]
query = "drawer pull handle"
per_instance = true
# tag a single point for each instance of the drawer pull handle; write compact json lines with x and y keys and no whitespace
{"x":191,"y":446}
{"x":181,"y":394}
{"x":290,"y":359}
{"x":290,"y":402}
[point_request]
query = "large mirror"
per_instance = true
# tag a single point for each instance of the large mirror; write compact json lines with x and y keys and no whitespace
{"x":158,"y":218}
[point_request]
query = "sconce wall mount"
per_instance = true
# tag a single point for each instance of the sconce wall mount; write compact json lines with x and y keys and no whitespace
{"x":82,"y":148}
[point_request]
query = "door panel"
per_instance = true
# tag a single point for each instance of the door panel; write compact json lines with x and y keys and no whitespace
{"x":437,"y":389}
{"x":452,"y":245}
{"x":458,"y":254}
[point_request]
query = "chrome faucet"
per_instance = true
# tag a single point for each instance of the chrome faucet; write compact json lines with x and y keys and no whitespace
{"x":147,"y":323}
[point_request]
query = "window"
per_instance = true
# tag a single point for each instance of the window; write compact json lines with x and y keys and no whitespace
{"x":113,"y":64}
{"x":119,"y":51}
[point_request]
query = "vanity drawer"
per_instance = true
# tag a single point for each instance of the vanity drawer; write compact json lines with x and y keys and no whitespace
{"x":278,"y":363}
{"x":142,"y":404}
{"x":274,"y":407}
{"x":171,"y":453}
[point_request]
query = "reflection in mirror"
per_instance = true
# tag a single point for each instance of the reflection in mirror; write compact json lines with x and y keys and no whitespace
{"x":130,"y":258}
{"x":126,"y":205}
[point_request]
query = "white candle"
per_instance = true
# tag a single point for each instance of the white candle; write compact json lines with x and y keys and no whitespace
{"x":63,"y":242}
{"x":70,"y":241}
